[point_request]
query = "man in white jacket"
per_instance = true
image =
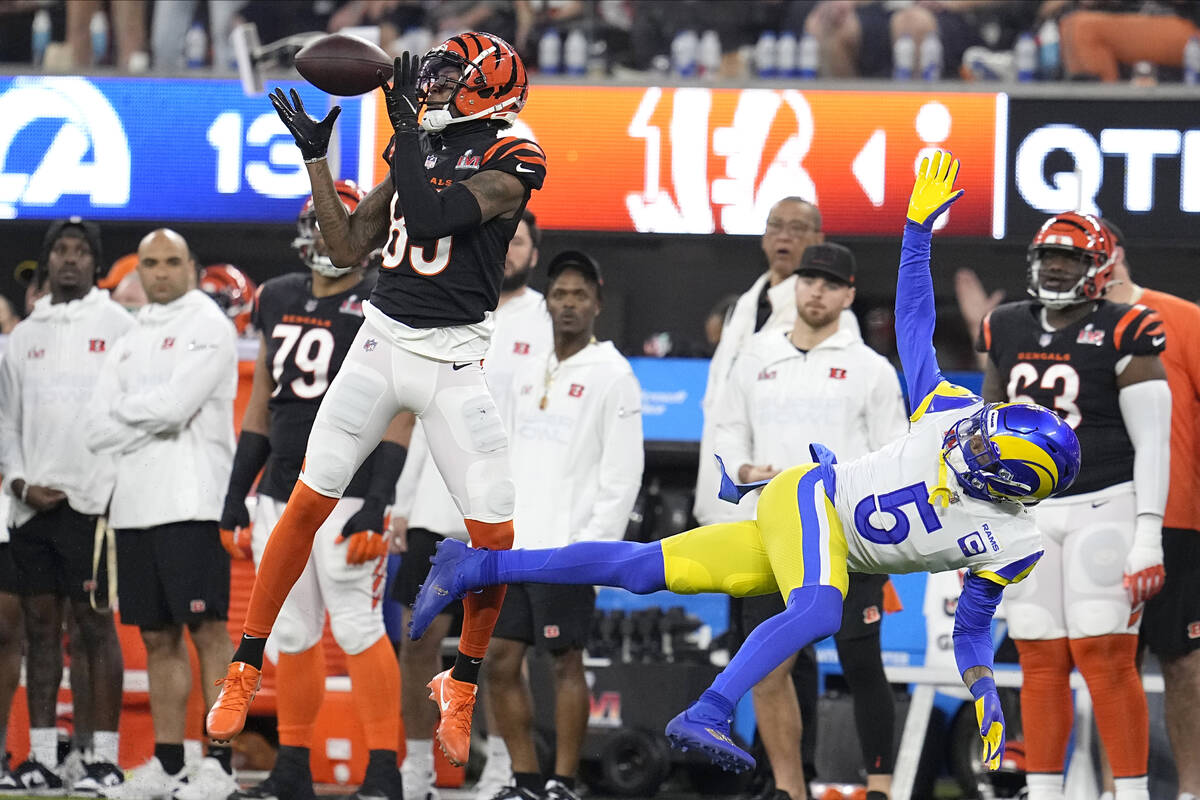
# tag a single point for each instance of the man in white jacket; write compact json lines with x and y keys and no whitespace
{"x":817,"y":381}
{"x":770,"y":303}
{"x":60,"y":489}
{"x":164,"y":407}
{"x":424,"y":513}
{"x":577,"y":458}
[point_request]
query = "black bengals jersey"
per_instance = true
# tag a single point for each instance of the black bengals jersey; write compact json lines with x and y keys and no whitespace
{"x":1074,"y":371}
{"x":307,"y":339}
{"x":455,"y":280}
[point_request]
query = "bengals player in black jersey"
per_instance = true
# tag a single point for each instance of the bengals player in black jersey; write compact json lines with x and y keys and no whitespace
{"x":443,"y":218}
{"x":307,"y":322}
{"x":1096,"y":363}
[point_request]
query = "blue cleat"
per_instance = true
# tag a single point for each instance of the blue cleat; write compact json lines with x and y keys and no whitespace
{"x":695,"y":729}
{"x":455,"y":572}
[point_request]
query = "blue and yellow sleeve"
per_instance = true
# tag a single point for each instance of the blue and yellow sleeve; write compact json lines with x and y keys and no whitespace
{"x":916,"y":314}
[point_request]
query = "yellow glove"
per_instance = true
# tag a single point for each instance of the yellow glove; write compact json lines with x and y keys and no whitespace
{"x":991,"y":721}
{"x":933,"y":191}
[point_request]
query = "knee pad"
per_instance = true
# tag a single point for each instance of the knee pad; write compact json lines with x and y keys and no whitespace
{"x":355,"y":632}
{"x":293,"y":634}
{"x":492,"y":495}
{"x":1031,"y":621}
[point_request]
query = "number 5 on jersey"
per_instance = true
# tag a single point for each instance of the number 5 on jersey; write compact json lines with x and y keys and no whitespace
{"x":418,"y":257}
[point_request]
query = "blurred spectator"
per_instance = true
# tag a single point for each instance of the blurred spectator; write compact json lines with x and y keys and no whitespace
{"x":857,"y":37}
{"x":536,"y":17}
{"x":60,"y":489}
{"x":393,"y":17}
{"x":1101,"y":36}
{"x":169,"y":26}
{"x":163,"y":408}
{"x":301,"y":16}
{"x":738,"y":24}
{"x":449,"y":17}
{"x":125,"y":21}
{"x":16,"y":26}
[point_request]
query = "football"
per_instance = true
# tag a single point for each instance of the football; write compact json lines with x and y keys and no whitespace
{"x":343,"y":65}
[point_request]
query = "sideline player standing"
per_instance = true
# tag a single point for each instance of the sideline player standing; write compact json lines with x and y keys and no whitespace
{"x":1096,"y":364}
{"x":444,"y":218}
{"x":817,"y":521}
{"x":306,"y":323}
{"x":577,"y":456}
{"x":53,"y":362}
{"x":817,"y":381}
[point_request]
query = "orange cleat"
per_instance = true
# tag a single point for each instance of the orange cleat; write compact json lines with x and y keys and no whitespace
{"x":456,"y":702}
{"x":228,"y":714}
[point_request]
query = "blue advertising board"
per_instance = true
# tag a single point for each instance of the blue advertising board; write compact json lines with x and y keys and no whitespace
{"x":155,"y":148}
{"x":672,"y":389}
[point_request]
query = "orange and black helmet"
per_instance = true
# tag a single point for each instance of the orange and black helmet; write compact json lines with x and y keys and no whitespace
{"x":229,"y":287}
{"x":487,"y":76}
{"x":1083,"y":237}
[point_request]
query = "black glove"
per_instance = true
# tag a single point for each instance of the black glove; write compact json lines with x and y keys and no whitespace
{"x":311,"y":137}
{"x":364,"y":532}
{"x":401,"y":96}
{"x":234,"y":515}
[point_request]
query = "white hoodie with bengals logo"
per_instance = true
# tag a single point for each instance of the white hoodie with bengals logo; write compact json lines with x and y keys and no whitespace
{"x":51,"y":365}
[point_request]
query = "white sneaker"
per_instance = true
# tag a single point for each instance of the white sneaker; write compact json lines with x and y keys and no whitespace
{"x":209,"y":782}
{"x":418,"y":783}
{"x":147,"y":782}
{"x":497,"y":773}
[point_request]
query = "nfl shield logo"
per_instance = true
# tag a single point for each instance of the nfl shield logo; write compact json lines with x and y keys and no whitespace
{"x":430,"y":161}
{"x":1045,"y":340}
{"x":310,"y":306}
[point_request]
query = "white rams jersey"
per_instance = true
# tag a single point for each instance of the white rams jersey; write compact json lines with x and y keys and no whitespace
{"x":890,"y":525}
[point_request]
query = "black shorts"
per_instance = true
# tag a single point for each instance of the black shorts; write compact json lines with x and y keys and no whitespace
{"x":414,"y":568}
{"x":861,"y":612}
{"x":8,"y":570}
{"x":552,"y":617}
{"x":1171,"y":624}
{"x":174,"y":574}
{"x":53,"y":555}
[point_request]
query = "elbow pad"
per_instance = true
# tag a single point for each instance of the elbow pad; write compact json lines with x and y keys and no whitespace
{"x":1146,"y":410}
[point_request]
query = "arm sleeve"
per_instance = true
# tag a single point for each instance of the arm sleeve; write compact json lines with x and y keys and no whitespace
{"x":973,"y":622}
{"x":621,"y":462}
{"x":1146,"y":410}
{"x":733,"y":436}
{"x":253,"y":450}
{"x":916,"y":314}
{"x":106,"y":433}
{"x":887,"y":420}
{"x":386,"y":467}
{"x":429,"y":214}
{"x":209,"y":360}
{"x":410,"y":476}
{"x":12,"y":460}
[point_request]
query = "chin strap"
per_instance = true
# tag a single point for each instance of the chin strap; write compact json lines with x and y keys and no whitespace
{"x":942,"y":494}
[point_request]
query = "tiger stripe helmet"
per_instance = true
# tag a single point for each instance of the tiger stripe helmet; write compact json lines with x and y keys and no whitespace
{"x":305,"y":243}
{"x":1012,"y":451}
{"x":1083,"y":236}
{"x":491,"y":81}
{"x":230,"y":289}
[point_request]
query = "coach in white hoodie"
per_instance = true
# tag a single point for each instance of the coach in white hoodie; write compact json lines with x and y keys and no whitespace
{"x":815,"y":382}
{"x":164,"y":406}
{"x":575,"y":442}
{"x":60,"y":488}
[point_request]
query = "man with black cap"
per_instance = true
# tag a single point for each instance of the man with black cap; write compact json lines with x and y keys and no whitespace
{"x":817,"y":381}
{"x":577,"y":458}
{"x":60,"y":489}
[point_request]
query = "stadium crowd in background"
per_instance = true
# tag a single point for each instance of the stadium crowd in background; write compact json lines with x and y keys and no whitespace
{"x":1103,"y":40}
